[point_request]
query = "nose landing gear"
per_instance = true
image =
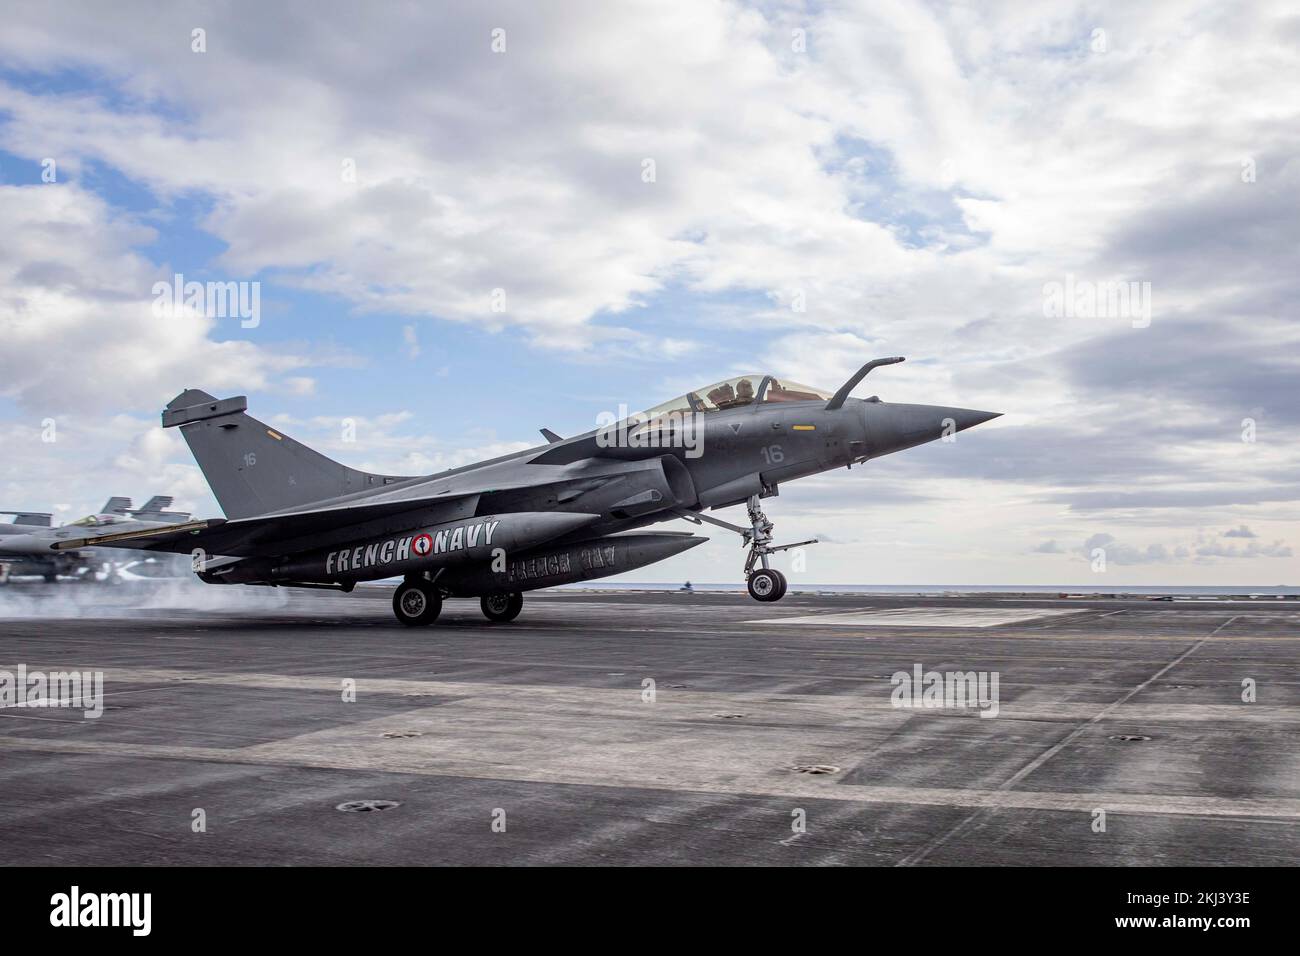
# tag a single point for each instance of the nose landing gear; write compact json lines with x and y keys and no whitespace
{"x":764,"y":583}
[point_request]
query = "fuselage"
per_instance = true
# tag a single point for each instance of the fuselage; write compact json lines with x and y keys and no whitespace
{"x":654,"y":472}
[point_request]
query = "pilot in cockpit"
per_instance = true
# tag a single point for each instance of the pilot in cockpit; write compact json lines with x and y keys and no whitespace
{"x":723,"y":395}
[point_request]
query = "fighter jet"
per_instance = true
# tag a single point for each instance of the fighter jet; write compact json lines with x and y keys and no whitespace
{"x":28,"y":545}
{"x":567,"y":511}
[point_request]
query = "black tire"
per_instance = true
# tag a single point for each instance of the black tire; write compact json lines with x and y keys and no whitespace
{"x":502,"y":607}
{"x":417,"y":603}
{"x":51,"y":578}
{"x":785,"y":585}
{"x":766,"y":584}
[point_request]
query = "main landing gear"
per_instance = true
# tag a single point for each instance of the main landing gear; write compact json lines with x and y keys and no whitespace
{"x":417,"y":602}
{"x":502,"y":607}
{"x":764,"y":583}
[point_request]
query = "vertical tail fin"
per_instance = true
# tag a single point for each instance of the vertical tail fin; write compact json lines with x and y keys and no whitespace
{"x":254,"y":469}
{"x":155,"y":509}
{"x":116,"y":506}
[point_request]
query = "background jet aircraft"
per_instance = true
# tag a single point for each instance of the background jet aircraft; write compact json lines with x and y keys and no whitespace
{"x":17,"y":557}
{"x":566,"y":511}
{"x":25,"y":522}
{"x":155,"y":510}
{"x":27,"y":546}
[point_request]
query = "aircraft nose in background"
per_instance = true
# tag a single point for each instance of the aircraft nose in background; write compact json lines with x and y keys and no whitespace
{"x":895,"y":427}
{"x":24,"y":544}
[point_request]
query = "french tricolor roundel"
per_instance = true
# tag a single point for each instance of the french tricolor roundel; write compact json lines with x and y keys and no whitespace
{"x":422,"y":544}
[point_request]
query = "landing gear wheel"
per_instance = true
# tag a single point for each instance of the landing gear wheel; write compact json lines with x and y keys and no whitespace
{"x":502,"y":607}
{"x":416,"y":603}
{"x":766,"y":584}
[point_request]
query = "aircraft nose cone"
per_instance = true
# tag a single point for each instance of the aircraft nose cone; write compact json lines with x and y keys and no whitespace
{"x":964,"y":418}
{"x":895,"y":427}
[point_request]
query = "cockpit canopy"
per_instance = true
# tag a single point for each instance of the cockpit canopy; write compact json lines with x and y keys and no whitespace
{"x":738,"y":391}
{"x":96,"y":521}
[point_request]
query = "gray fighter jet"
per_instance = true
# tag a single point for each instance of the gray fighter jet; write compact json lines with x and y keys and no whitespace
{"x":567,"y":511}
{"x":28,"y":546}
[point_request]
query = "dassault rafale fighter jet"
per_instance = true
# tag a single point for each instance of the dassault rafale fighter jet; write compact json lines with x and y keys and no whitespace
{"x":567,"y":511}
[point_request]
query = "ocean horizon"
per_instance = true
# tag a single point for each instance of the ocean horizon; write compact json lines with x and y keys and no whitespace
{"x":1275,"y":590}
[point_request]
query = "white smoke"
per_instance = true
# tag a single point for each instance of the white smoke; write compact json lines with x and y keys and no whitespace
{"x":78,"y":599}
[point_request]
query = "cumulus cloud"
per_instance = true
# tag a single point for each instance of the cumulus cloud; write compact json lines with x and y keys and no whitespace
{"x":77,"y":318}
{"x":1255,"y":549}
{"x":1106,"y":546}
{"x":386,"y":444}
{"x":793,"y":174}
{"x":1206,"y":548}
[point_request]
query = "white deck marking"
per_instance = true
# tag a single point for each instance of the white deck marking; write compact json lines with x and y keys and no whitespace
{"x":924,"y":617}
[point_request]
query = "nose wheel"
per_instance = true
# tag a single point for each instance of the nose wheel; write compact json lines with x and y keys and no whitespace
{"x":766,"y":584}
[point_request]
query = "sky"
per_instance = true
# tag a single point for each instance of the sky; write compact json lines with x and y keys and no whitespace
{"x":471,"y":221}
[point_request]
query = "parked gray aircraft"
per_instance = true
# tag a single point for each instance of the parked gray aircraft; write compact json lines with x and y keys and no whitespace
{"x":567,"y":511}
{"x":28,"y":545}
